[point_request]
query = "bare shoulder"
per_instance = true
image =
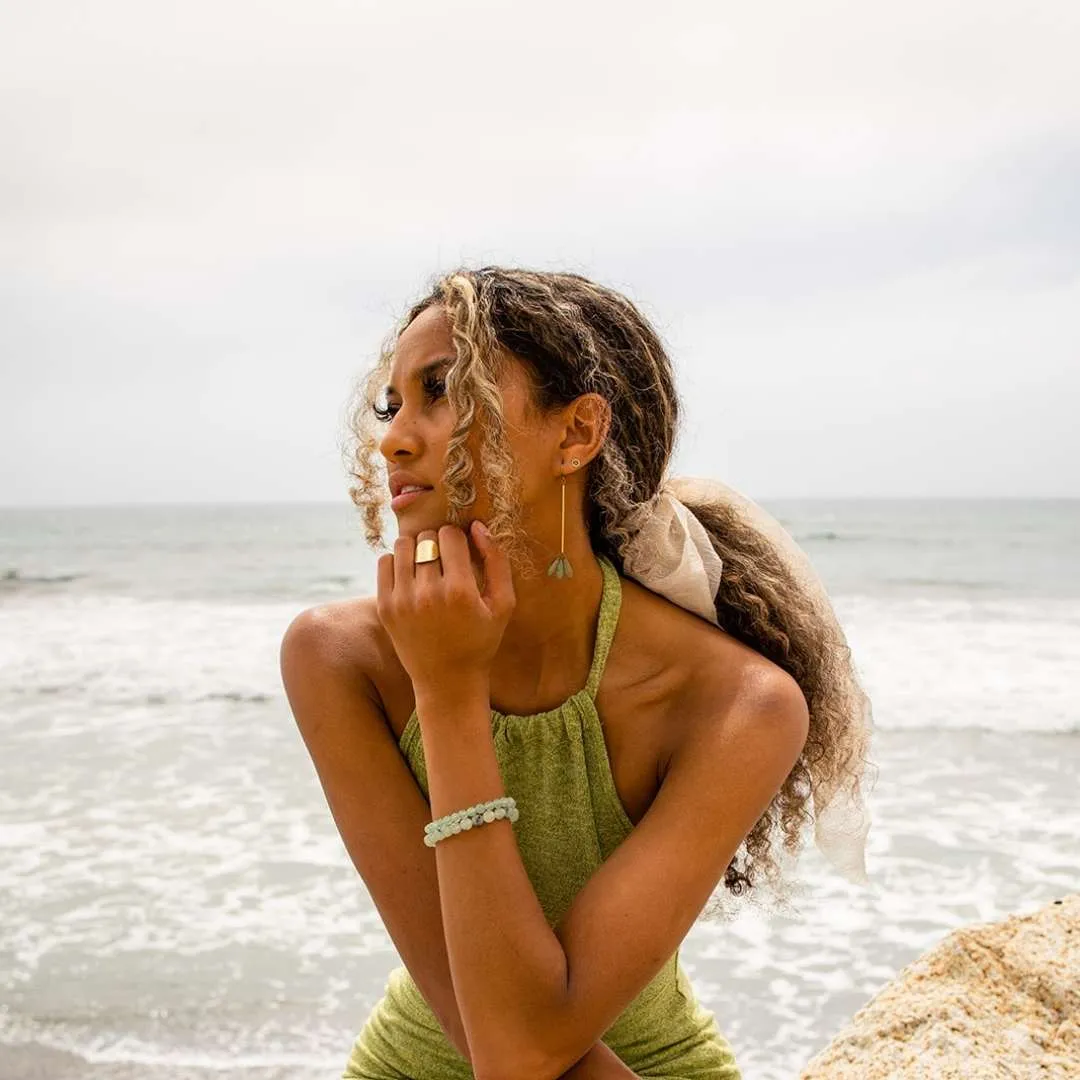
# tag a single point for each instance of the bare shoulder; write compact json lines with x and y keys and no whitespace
{"x":709,"y":676}
{"x":344,"y":637}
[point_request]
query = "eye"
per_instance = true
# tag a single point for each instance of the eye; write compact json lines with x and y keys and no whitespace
{"x":434,"y":388}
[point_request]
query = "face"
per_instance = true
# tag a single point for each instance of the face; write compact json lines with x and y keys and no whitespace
{"x":420,"y":422}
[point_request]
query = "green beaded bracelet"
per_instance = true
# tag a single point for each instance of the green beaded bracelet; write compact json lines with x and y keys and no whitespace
{"x":469,"y":811}
{"x":463,"y":820}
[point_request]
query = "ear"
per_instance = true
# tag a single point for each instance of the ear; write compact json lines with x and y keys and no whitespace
{"x":587,"y":421}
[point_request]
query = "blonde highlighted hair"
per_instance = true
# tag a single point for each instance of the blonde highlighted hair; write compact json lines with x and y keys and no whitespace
{"x":574,"y":337}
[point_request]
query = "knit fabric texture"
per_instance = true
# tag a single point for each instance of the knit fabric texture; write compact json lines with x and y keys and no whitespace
{"x":555,"y":765}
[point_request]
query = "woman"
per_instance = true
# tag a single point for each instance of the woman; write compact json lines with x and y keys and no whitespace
{"x":600,"y":725}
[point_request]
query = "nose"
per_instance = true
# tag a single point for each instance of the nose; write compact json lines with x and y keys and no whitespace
{"x":400,"y":437}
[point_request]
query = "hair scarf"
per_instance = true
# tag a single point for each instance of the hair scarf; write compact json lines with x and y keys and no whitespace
{"x":671,"y":553}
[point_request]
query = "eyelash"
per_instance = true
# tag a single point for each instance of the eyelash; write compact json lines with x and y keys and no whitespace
{"x":433,"y":386}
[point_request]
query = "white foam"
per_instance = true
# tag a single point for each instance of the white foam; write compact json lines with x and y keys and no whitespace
{"x":953,"y":663}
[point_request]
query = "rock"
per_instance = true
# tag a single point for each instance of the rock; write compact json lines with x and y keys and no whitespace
{"x":998,"y":1000}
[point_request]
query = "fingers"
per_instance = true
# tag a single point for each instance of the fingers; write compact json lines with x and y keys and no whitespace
{"x":454,"y":558}
{"x":454,"y":550}
{"x":498,"y":577}
{"x":404,"y":567}
{"x":384,"y":575}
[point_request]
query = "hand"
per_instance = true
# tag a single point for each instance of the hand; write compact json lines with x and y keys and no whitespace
{"x":443,"y":628}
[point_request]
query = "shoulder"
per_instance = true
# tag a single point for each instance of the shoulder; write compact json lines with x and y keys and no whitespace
{"x":334,"y":655}
{"x":711,"y":678}
{"x":333,"y":631}
{"x":345,"y":638}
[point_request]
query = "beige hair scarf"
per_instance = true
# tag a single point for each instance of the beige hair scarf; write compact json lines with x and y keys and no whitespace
{"x":671,"y":554}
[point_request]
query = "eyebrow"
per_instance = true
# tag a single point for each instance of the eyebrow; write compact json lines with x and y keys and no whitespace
{"x":419,"y":374}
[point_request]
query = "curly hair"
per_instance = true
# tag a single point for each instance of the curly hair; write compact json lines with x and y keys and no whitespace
{"x":573,"y":337}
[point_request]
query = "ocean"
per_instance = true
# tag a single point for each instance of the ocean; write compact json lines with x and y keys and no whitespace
{"x":175,"y":901}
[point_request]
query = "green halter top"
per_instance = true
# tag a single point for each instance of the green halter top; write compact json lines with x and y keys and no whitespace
{"x":555,"y":765}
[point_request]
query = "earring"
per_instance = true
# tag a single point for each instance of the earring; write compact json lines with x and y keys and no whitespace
{"x":560,"y":566}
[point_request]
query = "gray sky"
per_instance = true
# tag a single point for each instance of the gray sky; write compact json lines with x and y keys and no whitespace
{"x":857,"y":226}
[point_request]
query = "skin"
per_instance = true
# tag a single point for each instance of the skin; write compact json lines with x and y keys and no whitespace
{"x":546,"y":642}
{"x":530,"y":640}
{"x":546,"y":646}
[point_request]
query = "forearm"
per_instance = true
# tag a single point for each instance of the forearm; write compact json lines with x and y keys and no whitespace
{"x":600,"y":1063}
{"x":507,"y":965}
{"x":450,"y":1021}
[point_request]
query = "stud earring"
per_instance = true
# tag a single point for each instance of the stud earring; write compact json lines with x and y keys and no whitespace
{"x":560,"y":566}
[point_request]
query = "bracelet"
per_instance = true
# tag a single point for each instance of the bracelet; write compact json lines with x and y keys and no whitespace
{"x":463,"y":820}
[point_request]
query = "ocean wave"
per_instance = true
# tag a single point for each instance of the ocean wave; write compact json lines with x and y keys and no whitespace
{"x":946,"y":662}
{"x":14,"y":579}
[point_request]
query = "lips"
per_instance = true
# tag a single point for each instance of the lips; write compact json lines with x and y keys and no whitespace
{"x":402,"y":500}
{"x":401,"y":480}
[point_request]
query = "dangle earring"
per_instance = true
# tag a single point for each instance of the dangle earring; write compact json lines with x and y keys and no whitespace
{"x":560,"y":566}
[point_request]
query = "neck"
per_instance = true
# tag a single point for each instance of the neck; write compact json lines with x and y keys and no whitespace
{"x":548,"y":643}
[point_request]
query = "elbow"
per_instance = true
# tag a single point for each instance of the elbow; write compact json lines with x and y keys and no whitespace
{"x":520,"y":1068}
{"x":514,"y":1072}
{"x":513,"y":1062}
{"x":521,"y":1043}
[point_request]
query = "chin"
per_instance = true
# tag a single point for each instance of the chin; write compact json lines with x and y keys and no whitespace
{"x":410,"y":524}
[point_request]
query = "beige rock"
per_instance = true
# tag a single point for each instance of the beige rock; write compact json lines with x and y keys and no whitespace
{"x":998,"y":1000}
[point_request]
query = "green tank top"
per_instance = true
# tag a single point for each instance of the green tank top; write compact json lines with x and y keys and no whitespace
{"x":555,"y":764}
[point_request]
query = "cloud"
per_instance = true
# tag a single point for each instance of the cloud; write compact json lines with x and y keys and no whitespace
{"x":199,"y":196}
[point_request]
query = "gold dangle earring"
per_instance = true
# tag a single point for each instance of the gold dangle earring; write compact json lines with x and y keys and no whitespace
{"x":560,"y":566}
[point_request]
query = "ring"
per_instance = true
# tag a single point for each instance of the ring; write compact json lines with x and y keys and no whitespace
{"x":426,"y":551}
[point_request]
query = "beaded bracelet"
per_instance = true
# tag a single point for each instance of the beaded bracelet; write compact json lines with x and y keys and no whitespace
{"x":463,"y":820}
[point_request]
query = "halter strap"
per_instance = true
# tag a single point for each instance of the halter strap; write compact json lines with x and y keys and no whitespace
{"x":608,"y":619}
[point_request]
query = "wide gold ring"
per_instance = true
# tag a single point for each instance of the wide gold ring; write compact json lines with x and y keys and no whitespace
{"x":426,"y":551}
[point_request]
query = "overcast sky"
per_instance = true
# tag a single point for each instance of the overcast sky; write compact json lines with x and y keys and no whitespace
{"x":856,"y":225}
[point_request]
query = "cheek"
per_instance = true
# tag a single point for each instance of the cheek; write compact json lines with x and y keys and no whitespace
{"x":521,"y":444}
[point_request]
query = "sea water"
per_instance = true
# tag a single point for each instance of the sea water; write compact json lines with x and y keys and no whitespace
{"x":175,"y":900}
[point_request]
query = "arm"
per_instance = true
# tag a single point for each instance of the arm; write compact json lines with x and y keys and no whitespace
{"x":600,"y":1063}
{"x":533,"y":999}
{"x":376,"y":804}
{"x":379,"y":809}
